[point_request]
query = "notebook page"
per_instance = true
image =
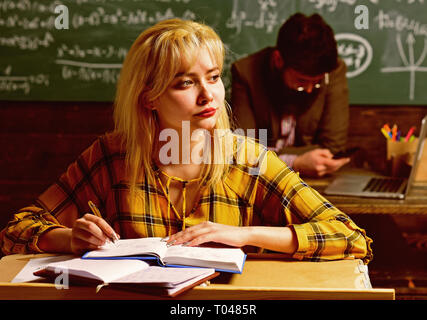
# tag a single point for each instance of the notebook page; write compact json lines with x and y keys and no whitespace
{"x":172,"y":291}
{"x":105,"y":270}
{"x":161,"y":275}
{"x":130,"y":247}
{"x":26,"y":274}
{"x":221,"y":255}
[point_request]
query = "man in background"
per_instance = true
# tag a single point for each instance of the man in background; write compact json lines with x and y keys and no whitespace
{"x":298,"y":92}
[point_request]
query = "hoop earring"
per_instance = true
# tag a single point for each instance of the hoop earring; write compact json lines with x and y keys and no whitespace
{"x":153,"y":119}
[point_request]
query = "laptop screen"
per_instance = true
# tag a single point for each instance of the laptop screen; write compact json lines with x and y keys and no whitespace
{"x":418,"y":154}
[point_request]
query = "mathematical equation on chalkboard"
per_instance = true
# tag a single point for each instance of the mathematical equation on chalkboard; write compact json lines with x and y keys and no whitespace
{"x":29,"y":30}
{"x":38,"y":61}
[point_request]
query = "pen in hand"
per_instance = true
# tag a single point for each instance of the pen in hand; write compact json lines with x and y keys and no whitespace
{"x":96,"y":212}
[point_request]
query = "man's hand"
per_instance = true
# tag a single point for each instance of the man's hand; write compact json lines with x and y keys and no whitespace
{"x":317,"y":163}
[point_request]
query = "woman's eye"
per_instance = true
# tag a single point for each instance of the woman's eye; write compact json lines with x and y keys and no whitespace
{"x":184,"y":84}
{"x":215,"y":77}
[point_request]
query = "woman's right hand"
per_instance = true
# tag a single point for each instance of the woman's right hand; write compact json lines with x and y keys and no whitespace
{"x":89,"y":233}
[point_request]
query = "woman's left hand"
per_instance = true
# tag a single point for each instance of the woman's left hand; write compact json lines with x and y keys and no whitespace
{"x":209,"y":231}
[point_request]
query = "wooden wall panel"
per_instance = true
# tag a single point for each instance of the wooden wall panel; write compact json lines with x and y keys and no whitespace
{"x":39,"y":156}
{"x":55,"y":117}
{"x":38,"y":140}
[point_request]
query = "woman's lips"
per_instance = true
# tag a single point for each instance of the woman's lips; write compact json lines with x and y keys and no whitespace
{"x":209,"y":112}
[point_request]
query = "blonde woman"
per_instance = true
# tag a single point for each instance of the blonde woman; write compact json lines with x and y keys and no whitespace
{"x":222,"y":188}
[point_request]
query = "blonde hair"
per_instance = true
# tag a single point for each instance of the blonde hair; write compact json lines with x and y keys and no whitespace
{"x":150,"y":65}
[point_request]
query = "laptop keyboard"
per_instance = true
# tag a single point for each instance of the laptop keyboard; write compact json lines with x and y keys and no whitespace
{"x":383,"y":184}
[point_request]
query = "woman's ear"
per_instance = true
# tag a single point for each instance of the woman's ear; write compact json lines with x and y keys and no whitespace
{"x":277,"y":59}
{"x":151,"y":105}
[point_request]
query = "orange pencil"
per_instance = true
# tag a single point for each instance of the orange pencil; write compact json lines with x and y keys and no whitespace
{"x":386,"y":127}
{"x":394,"y":133}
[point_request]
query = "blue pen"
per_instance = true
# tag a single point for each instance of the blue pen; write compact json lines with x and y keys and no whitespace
{"x":398,"y":136}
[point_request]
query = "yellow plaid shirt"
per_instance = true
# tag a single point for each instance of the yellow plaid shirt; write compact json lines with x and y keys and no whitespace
{"x":275,"y":197}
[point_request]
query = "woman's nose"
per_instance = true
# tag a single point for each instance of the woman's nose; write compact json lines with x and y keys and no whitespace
{"x":205,"y":96}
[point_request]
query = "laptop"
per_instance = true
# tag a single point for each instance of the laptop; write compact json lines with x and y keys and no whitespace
{"x":379,"y":186}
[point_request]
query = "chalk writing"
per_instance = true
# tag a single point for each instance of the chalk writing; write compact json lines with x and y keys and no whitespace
{"x":14,"y":83}
{"x":399,"y":22}
{"x":80,"y":2}
{"x":27,"y":42}
{"x":355,"y":51}
{"x":266,"y":19}
{"x":409,"y":63}
{"x":40,"y":61}
{"x":99,"y":17}
{"x":412,"y":28}
{"x":28,"y":5}
{"x":332,"y":5}
{"x":15,"y":21}
{"x":88,"y":74}
{"x":76,"y":51}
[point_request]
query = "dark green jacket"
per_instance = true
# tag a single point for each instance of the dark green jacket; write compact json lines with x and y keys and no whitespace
{"x":259,"y":99}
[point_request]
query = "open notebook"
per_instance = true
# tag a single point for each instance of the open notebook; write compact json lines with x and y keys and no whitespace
{"x":134,"y":275}
{"x":226,"y":259}
{"x":379,"y":187}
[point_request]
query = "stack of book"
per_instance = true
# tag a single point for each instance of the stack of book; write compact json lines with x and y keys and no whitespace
{"x":148,"y":265}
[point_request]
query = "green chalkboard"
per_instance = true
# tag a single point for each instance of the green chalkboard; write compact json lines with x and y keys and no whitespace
{"x":387,"y":62}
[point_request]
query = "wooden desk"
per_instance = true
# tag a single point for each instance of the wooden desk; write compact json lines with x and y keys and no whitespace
{"x":265,"y":277}
{"x":416,"y":202}
{"x":397,"y":263}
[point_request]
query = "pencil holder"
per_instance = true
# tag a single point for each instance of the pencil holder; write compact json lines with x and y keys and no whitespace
{"x":400,"y":157}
